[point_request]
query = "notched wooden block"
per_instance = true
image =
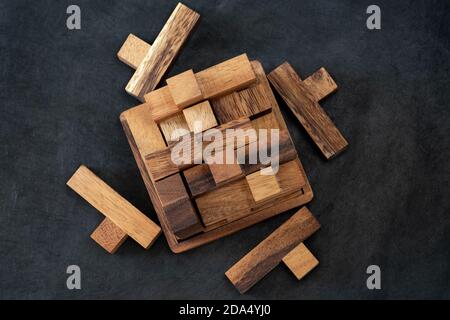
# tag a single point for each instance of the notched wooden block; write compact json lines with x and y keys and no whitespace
{"x":184,"y":89}
{"x":263,"y":186}
{"x":320,"y":84}
{"x":269,"y":253}
{"x":133,"y":51}
{"x":200,"y":117}
{"x":123,"y":214}
{"x":180,"y":213}
{"x":109,"y":236}
{"x":300,"y":261}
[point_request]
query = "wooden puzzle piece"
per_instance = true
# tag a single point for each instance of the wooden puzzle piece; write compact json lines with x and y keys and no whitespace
{"x":178,"y":208}
{"x":123,"y":214}
{"x":133,"y":51}
{"x":200,"y":117}
{"x":163,"y":163}
{"x":305,"y":107}
{"x":174,"y":127}
{"x":164,"y":49}
{"x":184,"y":89}
{"x":300,"y":261}
{"x":218,"y":80}
{"x":263,"y":186}
{"x":320,"y":84}
{"x":268,"y":254}
{"x":109,"y":236}
{"x":234,"y":200}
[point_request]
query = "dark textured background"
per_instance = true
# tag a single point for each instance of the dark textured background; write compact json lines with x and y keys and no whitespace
{"x":384,"y":201}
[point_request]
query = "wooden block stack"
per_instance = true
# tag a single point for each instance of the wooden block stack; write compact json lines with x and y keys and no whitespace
{"x":199,"y":198}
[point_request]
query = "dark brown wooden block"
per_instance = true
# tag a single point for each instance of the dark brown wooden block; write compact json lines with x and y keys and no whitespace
{"x":269,"y":253}
{"x":180,"y":213}
{"x":305,"y":107}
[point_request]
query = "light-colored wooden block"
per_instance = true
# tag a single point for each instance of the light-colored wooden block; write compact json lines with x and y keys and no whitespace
{"x":300,"y":261}
{"x":221,"y":79}
{"x":202,"y":115}
{"x":109,"y":236}
{"x":184,"y":89}
{"x":133,"y":51}
{"x":174,"y":127}
{"x":164,"y":49}
{"x":122,"y":213}
{"x":263,"y":186}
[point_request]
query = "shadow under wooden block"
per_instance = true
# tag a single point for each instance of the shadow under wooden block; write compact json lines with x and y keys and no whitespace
{"x":109,"y":236}
{"x":121,"y":213}
{"x":200,"y":117}
{"x":300,"y":261}
{"x":269,"y":253}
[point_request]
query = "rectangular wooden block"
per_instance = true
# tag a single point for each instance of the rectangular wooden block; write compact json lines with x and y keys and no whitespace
{"x":221,"y":79}
{"x":184,"y":89}
{"x":268,"y":254}
{"x":234,"y":200}
{"x":263,"y":186}
{"x":180,"y":213}
{"x":133,"y":51}
{"x":163,"y":51}
{"x":200,"y":117}
{"x":305,"y":107}
{"x":300,"y":261}
{"x":248,"y":102}
{"x":123,"y":214}
{"x":109,"y":236}
{"x":199,"y":179}
{"x":225,"y":172}
{"x":163,"y":163}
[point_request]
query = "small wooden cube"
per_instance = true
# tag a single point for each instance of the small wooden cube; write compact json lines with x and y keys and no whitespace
{"x":184,"y":89}
{"x":109,"y":236}
{"x":262,"y":186}
{"x":200,"y":113}
{"x":300,"y":261}
{"x":174,"y":127}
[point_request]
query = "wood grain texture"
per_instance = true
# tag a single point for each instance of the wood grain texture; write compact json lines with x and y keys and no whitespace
{"x":260,"y":212}
{"x":162,"y":163}
{"x":177,"y":205}
{"x":223,"y":173}
{"x":174,"y":127}
{"x":164,"y":49}
{"x":200,"y":117}
{"x":262,"y":186}
{"x":184,"y":89}
{"x":228,"y":76}
{"x":123,"y":214}
{"x":320,"y":84}
{"x":305,"y":107}
{"x":234,"y":200}
{"x":245,"y":103}
{"x":199,"y":179}
{"x":109,"y":236}
{"x":300,"y":261}
{"x":218,"y":80}
{"x":268,"y":254}
{"x":133,"y":51}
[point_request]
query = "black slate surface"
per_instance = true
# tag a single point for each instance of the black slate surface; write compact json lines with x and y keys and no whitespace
{"x":385,"y":201}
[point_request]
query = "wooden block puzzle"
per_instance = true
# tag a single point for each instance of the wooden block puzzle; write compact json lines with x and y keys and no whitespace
{"x":202,"y":114}
{"x":269,"y":253}
{"x":221,"y":198}
{"x":118,"y":210}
